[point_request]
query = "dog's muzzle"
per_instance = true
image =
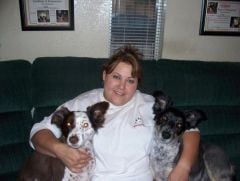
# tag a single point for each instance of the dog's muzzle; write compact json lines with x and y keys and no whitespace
{"x":73,"y":139}
{"x":166,"y":135}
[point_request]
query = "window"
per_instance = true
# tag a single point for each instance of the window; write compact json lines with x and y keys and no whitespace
{"x":139,"y":23}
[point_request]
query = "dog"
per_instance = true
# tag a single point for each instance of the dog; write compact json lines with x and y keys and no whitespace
{"x":78,"y":129}
{"x":170,"y":123}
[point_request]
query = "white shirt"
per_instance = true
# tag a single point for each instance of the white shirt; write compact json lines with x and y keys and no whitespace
{"x":122,"y":145}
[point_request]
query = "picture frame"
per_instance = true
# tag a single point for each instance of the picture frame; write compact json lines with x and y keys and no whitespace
{"x":47,"y":15}
{"x":220,"y":17}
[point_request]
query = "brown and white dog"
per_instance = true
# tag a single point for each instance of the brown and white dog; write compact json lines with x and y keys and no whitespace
{"x":78,"y":129}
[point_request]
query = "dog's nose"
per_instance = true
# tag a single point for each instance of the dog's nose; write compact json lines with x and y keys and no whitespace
{"x":166,"y":135}
{"x":73,"y":139}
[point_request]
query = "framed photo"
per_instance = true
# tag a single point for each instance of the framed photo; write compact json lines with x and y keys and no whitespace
{"x":220,"y":17}
{"x":47,"y":15}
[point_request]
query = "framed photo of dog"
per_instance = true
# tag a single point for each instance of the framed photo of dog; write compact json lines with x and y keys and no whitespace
{"x":47,"y":15}
{"x":220,"y":17}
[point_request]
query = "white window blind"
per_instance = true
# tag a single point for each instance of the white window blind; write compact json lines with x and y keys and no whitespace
{"x":139,"y":23}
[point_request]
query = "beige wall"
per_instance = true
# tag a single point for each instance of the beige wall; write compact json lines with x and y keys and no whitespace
{"x":90,"y":38}
{"x":182,"y":39}
{"x":91,"y":35}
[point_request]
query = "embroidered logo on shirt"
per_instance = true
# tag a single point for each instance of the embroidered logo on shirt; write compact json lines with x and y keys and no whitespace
{"x":138,"y":122}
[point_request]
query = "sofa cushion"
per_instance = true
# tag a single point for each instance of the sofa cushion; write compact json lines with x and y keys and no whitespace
{"x":12,"y":157}
{"x":149,"y":82}
{"x":220,"y":119}
{"x":9,"y":176}
{"x":200,"y":83}
{"x":15,"y":127}
{"x":15,"y":85}
{"x":58,"y":79}
{"x":41,"y":112}
{"x":15,"y":116}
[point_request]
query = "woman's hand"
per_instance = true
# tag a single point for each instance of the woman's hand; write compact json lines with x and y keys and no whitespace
{"x":74,"y":159}
{"x":46,"y":143}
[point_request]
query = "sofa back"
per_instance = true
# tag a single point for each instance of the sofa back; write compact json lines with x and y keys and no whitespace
{"x":15,"y":116}
{"x":200,"y":83}
{"x":58,"y":79}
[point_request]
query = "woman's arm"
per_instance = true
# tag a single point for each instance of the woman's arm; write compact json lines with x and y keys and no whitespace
{"x":45,"y":142}
{"x":189,"y":154}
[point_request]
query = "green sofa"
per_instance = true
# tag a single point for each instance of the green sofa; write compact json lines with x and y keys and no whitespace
{"x":30,"y":91}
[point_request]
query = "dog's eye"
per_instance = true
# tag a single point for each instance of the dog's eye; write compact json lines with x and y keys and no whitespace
{"x":164,"y":118}
{"x":178,"y":125}
{"x":85,"y":125}
{"x":69,"y":124}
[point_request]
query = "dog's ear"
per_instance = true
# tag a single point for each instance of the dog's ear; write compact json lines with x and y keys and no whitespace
{"x":96,"y":114}
{"x":59,"y":116}
{"x":194,"y":117}
{"x":162,"y":102}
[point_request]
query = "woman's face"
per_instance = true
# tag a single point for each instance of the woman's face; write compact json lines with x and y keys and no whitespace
{"x":119,"y":86}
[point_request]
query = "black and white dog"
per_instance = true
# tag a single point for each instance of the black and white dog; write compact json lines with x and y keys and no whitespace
{"x":78,"y":129}
{"x":170,"y":123}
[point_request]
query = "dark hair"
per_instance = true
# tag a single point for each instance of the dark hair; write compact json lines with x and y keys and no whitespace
{"x":126,"y":54}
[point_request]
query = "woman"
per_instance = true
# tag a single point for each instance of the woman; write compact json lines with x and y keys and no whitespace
{"x":122,"y":145}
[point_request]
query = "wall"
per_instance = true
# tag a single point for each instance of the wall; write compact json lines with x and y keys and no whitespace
{"x":91,"y":35}
{"x":90,"y":38}
{"x":182,"y":39}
